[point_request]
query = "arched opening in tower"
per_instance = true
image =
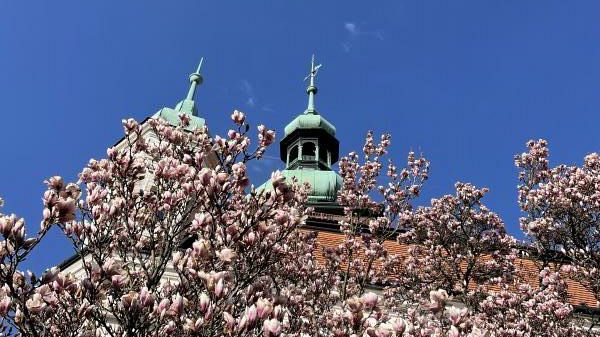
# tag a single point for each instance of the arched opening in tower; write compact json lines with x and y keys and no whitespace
{"x":293,"y":154}
{"x":309,"y":151}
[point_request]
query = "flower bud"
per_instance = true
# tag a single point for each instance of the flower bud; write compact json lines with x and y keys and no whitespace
{"x":176,"y":308}
{"x":219,"y":288}
{"x":146,"y":298}
{"x":263,"y":308}
{"x":204,"y":302}
{"x":162,"y":307}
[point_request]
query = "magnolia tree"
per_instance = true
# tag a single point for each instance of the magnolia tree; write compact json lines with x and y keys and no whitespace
{"x":562,"y":206}
{"x":170,"y":246}
{"x":152,"y":207}
{"x":453,"y":270}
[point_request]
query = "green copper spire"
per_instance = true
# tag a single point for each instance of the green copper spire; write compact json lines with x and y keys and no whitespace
{"x":311,"y":90}
{"x":188,"y":105}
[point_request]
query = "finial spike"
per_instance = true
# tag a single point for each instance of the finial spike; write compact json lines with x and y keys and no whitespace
{"x":188,"y":105}
{"x":200,"y":65}
{"x":195,"y":80}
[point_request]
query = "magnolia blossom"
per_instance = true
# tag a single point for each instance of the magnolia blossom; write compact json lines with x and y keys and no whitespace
{"x":171,"y":246}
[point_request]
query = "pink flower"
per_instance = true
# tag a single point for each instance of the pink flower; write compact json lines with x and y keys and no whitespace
{"x":219,"y":288}
{"x":282,"y":217}
{"x":129,"y":300}
{"x":251,"y":314}
{"x":277,"y":179}
{"x":226,"y":255}
{"x":453,"y":332}
{"x":6,"y":225}
{"x":55,"y":183}
{"x":129,"y":125}
{"x":354,"y":304}
{"x":265,"y":137}
{"x":437,"y":299}
{"x":229,"y":321}
{"x":72,"y":191}
{"x":201,"y":248}
{"x":384,"y":330}
{"x":398,"y":325}
{"x":204,"y":302}
{"x":369,"y":300}
{"x":232,"y":134}
{"x":184,"y":119}
{"x":263,"y":308}
{"x":146,"y":298}
{"x":456,"y":315}
{"x":118,"y":281}
{"x":238,"y":117}
{"x":65,"y":209}
{"x":176,"y":308}
{"x":163,"y":307}
{"x":5,"y":304}
{"x":271,"y":328}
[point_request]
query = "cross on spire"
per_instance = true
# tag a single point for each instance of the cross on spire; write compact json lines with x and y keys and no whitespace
{"x":313,"y":71}
{"x":311,"y":90}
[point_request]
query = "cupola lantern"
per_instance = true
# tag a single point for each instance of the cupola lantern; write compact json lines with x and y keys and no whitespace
{"x":309,"y":148}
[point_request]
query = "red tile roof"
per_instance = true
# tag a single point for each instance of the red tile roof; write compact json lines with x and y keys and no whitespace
{"x":526,"y":268}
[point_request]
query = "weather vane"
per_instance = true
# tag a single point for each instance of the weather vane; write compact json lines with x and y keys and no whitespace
{"x":312,"y":89}
{"x":313,"y":71}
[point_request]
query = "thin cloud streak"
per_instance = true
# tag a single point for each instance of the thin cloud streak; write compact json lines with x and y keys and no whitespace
{"x":355,"y":32}
{"x":248,"y":91}
{"x":351,"y":28}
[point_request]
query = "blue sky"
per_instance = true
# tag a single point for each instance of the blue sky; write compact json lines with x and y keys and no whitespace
{"x":465,"y":82}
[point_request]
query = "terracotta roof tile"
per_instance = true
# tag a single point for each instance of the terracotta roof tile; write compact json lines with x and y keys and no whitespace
{"x":526,"y":268}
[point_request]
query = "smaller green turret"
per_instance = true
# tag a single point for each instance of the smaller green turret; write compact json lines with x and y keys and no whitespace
{"x":187,"y":105}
